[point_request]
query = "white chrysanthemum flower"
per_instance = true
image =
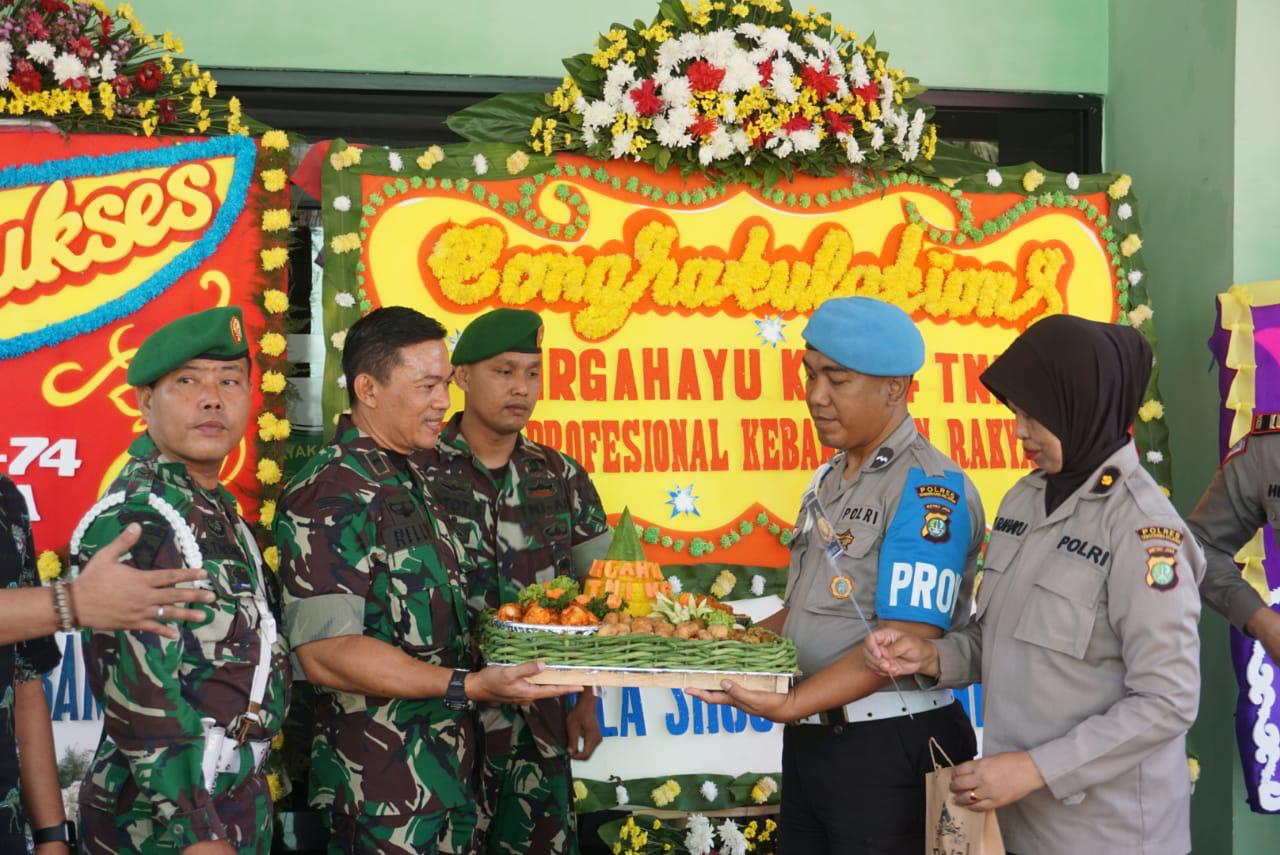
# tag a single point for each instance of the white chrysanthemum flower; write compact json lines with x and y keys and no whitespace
{"x":719,"y":47}
{"x":698,"y":839}
{"x":677,"y":93}
{"x":41,"y":52}
{"x":589,"y":137}
{"x":903,"y":126}
{"x":706,"y":153}
{"x":680,"y":118}
{"x":395,"y":161}
{"x":618,"y":78}
{"x":805,"y":140}
{"x":994,"y":178}
{"x":858,"y":72}
{"x":1073,"y":181}
{"x":621,"y":794}
{"x":599,"y":114}
{"x":740,"y":74}
{"x":108,"y":67}
{"x":741,"y":142}
{"x":580,"y":105}
{"x":911,"y":152}
{"x":6,"y":63}
{"x":781,"y":83}
{"x":877,"y":138}
{"x":345,"y":299}
{"x":721,"y":144}
{"x":1125,"y":211}
{"x":731,"y":839}
{"x":750,"y":31}
{"x":1154,"y":456}
{"x":1135,"y":277}
{"x":917,"y":124}
{"x":775,"y":39}
{"x":886,"y":93}
{"x":671,"y":135}
{"x":757,"y":585}
{"x":342,"y":381}
{"x":709,"y":790}
{"x":784,"y":147}
{"x":852,"y":150}
{"x":670,"y":54}
{"x":676,"y":585}
{"x":67,"y":67}
{"x":621,"y":145}
{"x":480,"y":163}
{"x":627,"y":106}
{"x":342,"y":203}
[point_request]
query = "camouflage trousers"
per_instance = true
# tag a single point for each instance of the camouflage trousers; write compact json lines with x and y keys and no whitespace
{"x":527,"y":800}
{"x":448,"y":832}
{"x":123,"y":821}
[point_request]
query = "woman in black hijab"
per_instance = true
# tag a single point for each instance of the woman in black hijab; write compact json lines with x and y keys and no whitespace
{"x":1084,"y":632}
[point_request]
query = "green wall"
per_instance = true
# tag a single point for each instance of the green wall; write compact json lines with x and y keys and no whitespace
{"x":1049,"y":45}
{"x":1257,"y":132}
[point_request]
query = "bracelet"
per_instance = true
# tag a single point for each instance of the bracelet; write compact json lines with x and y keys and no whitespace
{"x":62,"y":606}
{"x":71,"y":603}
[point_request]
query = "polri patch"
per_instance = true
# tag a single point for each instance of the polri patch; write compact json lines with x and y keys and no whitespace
{"x":937,"y":522}
{"x":1162,"y":567}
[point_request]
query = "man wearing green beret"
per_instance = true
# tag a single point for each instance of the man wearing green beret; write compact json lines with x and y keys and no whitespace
{"x":188,"y":722}
{"x":527,"y":513}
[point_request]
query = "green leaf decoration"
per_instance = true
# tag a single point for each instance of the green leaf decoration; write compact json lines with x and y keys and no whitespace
{"x":503,"y":118}
{"x":626,"y":544}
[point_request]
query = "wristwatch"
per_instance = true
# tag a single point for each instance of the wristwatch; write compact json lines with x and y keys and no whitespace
{"x":64,"y":833}
{"x":455,"y":698}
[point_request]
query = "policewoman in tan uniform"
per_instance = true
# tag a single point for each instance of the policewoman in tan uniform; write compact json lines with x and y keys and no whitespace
{"x":889,"y":530}
{"x":1085,"y":634}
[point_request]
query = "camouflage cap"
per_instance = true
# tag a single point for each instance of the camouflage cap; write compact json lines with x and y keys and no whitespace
{"x":211,"y":334}
{"x":499,"y":331}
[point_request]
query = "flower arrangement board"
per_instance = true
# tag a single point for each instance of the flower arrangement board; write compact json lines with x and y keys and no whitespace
{"x":107,"y":237}
{"x":1246,"y":344}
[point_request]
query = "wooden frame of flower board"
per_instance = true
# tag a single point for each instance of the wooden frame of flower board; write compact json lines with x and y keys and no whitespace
{"x":658,"y":678}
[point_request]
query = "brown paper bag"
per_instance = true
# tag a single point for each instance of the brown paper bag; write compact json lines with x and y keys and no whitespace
{"x":948,"y":828}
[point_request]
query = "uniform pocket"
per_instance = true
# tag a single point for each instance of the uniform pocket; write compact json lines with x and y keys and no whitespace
{"x":833,"y":596}
{"x":1062,"y":608}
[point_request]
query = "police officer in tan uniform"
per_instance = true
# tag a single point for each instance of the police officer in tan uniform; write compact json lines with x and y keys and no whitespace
{"x":1242,"y":498}
{"x":890,"y":531}
{"x":1085,"y":634}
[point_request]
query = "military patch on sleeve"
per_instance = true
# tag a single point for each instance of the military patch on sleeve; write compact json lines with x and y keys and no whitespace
{"x":1162,"y":567}
{"x":1160,"y":532}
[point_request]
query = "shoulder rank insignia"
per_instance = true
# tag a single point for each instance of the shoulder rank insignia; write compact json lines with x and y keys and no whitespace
{"x":882,"y":458}
{"x":1162,"y":567}
{"x":1107,"y":479}
{"x":1265,"y":423}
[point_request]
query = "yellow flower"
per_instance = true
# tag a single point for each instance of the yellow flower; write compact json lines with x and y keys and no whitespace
{"x":430,"y":157}
{"x":277,"y":741}
{"x":273,"y":180}
{"x":275,"y":219}
{"x":273,"y":382}
{"x":275,"y":301}
{"x":517,"y":162}
{"x":267,"y":426}
{"x":49,"y":565}
{"x":1152,"y":409}
{"x":269,"y":473}
{"x":267,"y":515}
{"x":283,"y":429}
{"x":1193,"y":769}
{"x":1032,"y":179}
{"x":345,"y":242}
{"x":1130,"y":245}
{"x":1120,"y":187}
{"x":579,"y":791}
{"x":274,"y":259}
{"x":276,"y":140}
{"x":276,"y":786}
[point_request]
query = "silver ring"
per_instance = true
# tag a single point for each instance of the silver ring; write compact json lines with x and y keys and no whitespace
{"x":159,"y":612}
{"x":973,"y":797}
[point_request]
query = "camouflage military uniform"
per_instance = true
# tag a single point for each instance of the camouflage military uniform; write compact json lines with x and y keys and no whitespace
{"x":19,"y":663}
{"x":537,"y":518}
{"x":164,"y":778}
{"x":363,"y":552}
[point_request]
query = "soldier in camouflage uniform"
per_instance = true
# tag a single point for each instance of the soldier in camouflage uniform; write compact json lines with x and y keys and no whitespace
{"x":376,"y":610}
{"x":187,"y":722}
{"x":526,"y":513}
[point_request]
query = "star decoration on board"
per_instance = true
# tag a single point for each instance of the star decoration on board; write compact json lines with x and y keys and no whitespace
{"x":769,"y":330}
{"x":683,"y":501}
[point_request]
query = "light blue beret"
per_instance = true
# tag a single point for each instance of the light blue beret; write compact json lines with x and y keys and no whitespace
{"x":867,"y":335}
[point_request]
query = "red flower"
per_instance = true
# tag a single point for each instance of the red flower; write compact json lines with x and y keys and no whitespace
{"x":837,"y":123}
{"x":646,"y":98}
{"x":53,"y":7}
{"x":35,"y":27}
{"x":166,"y":111}
{"x":82,"y":48}
{"x":797,"y":123}
{"x":766,"y":72}
{"x":704,"y":77}
{"x":123,"y":86}
{"x":148,"y":77}
{"x":78,"y":84}
{"x":868,"y":93}
{"x":822,"y":82}
{"x":107,"y":26}
{"x":703,"y":127}
{"x":25,"y":77}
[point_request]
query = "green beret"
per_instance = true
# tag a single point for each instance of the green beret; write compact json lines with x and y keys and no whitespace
{"x":499,"y":331}
{"x":211,"y":334}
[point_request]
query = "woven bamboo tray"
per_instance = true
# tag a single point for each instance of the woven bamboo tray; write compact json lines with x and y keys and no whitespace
{"x":642,"y":660}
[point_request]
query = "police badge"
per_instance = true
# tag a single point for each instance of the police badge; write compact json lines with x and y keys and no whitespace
{"x":937,"y":523}
{"x":1162,"y":567}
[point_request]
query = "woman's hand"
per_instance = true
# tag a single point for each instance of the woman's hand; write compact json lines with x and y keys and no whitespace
{"x":995,"y":781}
